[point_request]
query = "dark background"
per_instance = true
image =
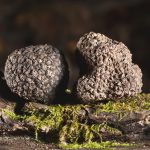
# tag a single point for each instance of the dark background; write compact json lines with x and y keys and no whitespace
{"x":62,"y":22}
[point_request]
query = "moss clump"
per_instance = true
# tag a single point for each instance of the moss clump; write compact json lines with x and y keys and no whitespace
{"x":103,"y":145}
{"x":72,"y":128}
{"x":139,"y":102}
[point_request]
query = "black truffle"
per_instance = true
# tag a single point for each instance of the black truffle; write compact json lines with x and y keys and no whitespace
{"x":36,"y":72}
{"x":110,"y":73}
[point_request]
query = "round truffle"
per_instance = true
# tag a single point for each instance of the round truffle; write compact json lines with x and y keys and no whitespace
{"x":110,"y":73}
{"x":36,"y":72}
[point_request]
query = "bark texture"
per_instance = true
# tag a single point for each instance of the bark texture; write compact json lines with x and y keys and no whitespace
{"x":131,"y":125}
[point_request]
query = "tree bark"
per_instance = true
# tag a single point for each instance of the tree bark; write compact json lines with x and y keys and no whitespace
{"x":135,"y":125}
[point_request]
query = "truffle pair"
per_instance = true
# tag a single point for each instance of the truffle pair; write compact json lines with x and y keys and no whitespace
{"x":39,"y":72}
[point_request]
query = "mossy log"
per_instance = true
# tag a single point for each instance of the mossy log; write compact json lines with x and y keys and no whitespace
{"x":126,"y":119}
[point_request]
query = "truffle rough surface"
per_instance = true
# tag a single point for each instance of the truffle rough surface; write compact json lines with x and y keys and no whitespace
{"x":110,"y":72}
{"x":35,"y":72}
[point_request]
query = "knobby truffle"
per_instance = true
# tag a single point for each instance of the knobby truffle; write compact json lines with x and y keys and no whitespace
{"x":35,"y":72}
{"x":110,"y":73}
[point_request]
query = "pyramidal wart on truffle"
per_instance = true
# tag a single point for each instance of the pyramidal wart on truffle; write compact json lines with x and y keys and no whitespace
{"x":110,"y":73}
{"x":36,"y":72}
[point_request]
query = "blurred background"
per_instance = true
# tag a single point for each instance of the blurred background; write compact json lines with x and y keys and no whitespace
{"x":62,"y":22}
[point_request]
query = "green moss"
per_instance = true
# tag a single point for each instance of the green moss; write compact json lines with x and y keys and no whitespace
{"x":75,"y":131}
{"x":109,"y":145}
{"x":139,"y":102}
{"x":12,"y":115}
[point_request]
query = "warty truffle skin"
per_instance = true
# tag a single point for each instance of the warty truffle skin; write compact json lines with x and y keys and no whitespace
{"x":110,"y":72}
{"x":36,"y":72}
